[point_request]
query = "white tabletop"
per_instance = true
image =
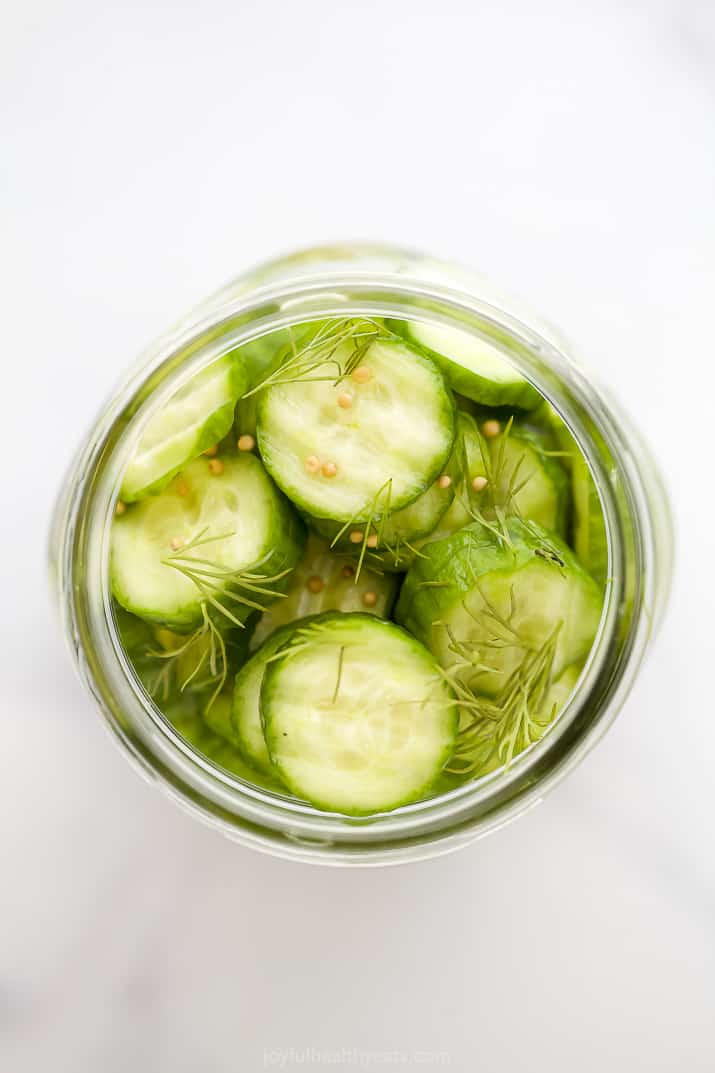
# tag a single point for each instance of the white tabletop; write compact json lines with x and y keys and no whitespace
{"x":152,"y":150}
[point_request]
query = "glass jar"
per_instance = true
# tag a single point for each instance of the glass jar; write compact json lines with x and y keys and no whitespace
{"x":385,"y":282}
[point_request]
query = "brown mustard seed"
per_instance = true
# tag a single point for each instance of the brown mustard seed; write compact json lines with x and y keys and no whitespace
{"x":372,"y":540}
{"x":329,"y":469}
{"x":216,"y":466}
{"x":362,"y":374}
{"x":369,"y":598}
{"x":348,"y":570}
{"x":246,"y":442}
{"x":444,"y":481}
{"x":316,"y":583}
{"x":491,"y":429}
{"x":211,"y":452}
{"x":120,"y":508}
{"x":345,"y":401}
{"x":312,"y":463}
{"x":356,"y":536}
{"x":479,"y":484}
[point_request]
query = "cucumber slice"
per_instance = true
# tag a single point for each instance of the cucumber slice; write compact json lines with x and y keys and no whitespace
{"x":355,"y":424}
{"x":185,"y":716}
{"x":472,"y":366}
{"x":246,"y":722}
{"x":220,"y":539}
{"x":589,"y":526}
{"x":528,"y":481}
{"x":482,"y":604}
{"x":357,"y":716}
{"x":397,"y":536}
{"x":323,"y":580}
{"x":196,"y":417}
{"x":484,"y":752}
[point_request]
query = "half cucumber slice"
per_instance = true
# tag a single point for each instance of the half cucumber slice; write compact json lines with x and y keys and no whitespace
{"x":195,"y":418}
{"x":473,"y":367}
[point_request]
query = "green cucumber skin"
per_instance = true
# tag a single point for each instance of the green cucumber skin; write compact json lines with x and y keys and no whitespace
{"x":457,"y":563}
{"x":245,"y":704}
{"x":446,"y":417}
{"x":217,"y":425}
{"x":470,"y":385}
{"x":286,"y":547}
{"x":269,"y":681}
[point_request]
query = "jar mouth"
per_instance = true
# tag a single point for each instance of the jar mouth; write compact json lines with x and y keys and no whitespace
{"x":268,"y":819}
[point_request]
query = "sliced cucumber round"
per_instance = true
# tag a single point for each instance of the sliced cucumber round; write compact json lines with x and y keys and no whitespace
{"x":391,"y":543}
{"x":195,"y":418}
{"x":325,"y":580}
{"x":588,"y":524}
{"x":529,"y":481}
{"x":357,"y":716}
{"x":246,"y":722}
{"x":361,"y":428}
{"x":482,"y":602}
{"x":475,"y":368}
{"x":220,"y":539}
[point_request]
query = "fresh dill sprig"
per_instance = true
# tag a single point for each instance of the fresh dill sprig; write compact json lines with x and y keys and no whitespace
{"x":500,"y":728}
{"x":203,"y":650}
{"x":341,"y":657}
{"x":317,"y":359}
{"x":220,"y":585}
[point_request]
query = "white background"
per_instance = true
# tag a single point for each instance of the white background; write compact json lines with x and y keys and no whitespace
{"x":149,"y":152}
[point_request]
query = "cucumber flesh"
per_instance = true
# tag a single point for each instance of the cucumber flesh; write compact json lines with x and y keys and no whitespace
{"x":196,"y":417}
{"x":398,"y":535}
{"x":223,"y":529}
{"x":365,"y":432}
{"x":480,"y":604}
{"x":357,"y":717}
{"x":520,"y":460}
{"x":322,"y":581}
{"x":474,"y":367}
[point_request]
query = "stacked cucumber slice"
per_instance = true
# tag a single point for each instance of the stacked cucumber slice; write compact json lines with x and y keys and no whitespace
{"x":358,"y":561}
